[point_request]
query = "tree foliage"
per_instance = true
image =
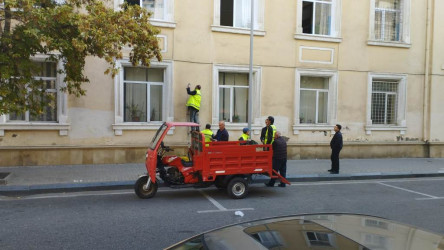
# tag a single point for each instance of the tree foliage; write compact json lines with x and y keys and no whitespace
{"x":66,"y":32}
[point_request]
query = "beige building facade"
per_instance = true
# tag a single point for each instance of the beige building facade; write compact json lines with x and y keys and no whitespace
{"x":375,"y":66}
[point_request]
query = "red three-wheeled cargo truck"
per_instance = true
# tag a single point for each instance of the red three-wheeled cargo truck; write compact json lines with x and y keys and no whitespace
{"x":228,"y":165}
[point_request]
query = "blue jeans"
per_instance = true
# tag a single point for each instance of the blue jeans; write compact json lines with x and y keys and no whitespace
{"x":194,"y":116}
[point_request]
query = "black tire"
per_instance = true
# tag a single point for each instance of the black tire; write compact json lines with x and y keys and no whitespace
{"x":237,"y":188}
{"x":143,"y":193}
{"x":220,"y":183}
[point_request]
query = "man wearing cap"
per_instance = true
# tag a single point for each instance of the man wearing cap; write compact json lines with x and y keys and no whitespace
{"x":246,"y":135}
{"x":193,"y":103}
{"x":268,"y":132}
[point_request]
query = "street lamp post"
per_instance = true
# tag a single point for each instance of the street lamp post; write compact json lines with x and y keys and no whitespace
{"x":250,"y":77}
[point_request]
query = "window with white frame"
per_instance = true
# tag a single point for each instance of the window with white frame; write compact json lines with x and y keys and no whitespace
{"x":389,"y":21}
{"x":233,"y":97}
{"x":319,"y":20}
{"x":319,"y":239}
{"x":47,"y":73}
{"x":237,"y":14}
{"x":143,"y":91}
{"x":315,"y":99}
{"x":386,"y":102}
{"x":317,"y":17}
{"x":54,"y":115}
{"x":230,"y":98}
{"x":143,"y":96}
{"x":163,"y":10}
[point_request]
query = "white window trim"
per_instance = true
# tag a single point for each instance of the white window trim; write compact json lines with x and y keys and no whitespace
{"x":236,"y":30}
{"x":61,"y":124}
{"x":405,"y":40}
{"x":167,"y":99}
{"x":401,"y":125}
{"x":169,"y":12}
{"x":335,"y":29}
{"x":256,"y":94}
{"x":332,"y":99}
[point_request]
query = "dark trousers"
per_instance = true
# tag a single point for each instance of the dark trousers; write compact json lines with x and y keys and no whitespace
{"x":280,"y":166}
{"x":194,"y":116}
{"x":335,"y":160}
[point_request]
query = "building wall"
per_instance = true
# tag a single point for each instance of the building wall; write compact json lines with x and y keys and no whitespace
{"x":193,"y":50}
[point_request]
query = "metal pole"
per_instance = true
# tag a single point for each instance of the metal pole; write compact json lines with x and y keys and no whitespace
{"x":250,"y":78}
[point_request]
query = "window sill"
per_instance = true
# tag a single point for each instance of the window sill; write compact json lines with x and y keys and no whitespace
{"x":245,"y":31}
{"x":318,"y":38}
{"x":61,"y":127}
{"x":119,"y":128}
{"x":389,"y":44}
{"x":370,"y":128}
{"x":164,"y":24}
{"x":312,"y":127}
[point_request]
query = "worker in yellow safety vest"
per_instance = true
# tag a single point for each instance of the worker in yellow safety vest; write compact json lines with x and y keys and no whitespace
{"x":246,"y":135}
{"x":268,"y":132}
{"x":193,"y":103}
{"x":208,"y":134}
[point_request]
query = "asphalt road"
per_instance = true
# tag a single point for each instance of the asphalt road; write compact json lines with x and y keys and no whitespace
{"x":120,"y":220}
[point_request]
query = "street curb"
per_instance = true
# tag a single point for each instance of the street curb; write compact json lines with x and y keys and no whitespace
{"x":116,"y":185}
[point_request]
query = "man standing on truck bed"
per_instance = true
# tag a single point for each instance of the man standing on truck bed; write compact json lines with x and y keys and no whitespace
{"x":279,"y":158}
{"x":222,"y":133}
{"x":193,"y":104}
{"x":268,"y":132}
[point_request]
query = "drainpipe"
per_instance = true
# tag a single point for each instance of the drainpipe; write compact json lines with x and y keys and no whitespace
{"x":426,"y":106}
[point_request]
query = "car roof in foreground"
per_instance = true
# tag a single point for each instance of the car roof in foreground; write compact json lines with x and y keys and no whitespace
{"x":313,"y":231}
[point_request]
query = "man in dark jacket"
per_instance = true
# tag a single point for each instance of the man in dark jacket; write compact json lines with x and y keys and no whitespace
{"x":222,"y":133}
{"x":279,"y":158}
{"x":336,"y":146}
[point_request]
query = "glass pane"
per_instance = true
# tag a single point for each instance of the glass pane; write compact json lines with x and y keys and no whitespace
{"x":156,"y":103}
{"x":155,"y":6}
{"x":310,"y":82}
{"x":322,"y":19}
{"x":388,"y":4}
{"x":49,"y":113}
{"x":236,"y":79}
{"x":224,"y":104}
{"x":17,"y":117}
{"x":322,"y":107}
{"x":155,"y":75}
{"x":135,"y":74}
{"x":391,"y":109}
{"x":378,"y":25}
{"x":133,"y":2}
{"x":385,"y":86}
{"x":135,"y":102}
{"x":242,"y":15}
{"x":45,"y":69}
{"x":378,"y":108}
{"x":240,"y":104}
{"x":307,"y":17}
{"x":307,"y":113}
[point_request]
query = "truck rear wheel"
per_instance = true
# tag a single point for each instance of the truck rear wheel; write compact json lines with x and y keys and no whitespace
{"x":237,"y":188}
{"x":142,"y":191}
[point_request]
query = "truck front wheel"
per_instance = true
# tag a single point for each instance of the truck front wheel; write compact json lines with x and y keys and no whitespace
{"x":142,"y":190}
{"x":237,"y":188}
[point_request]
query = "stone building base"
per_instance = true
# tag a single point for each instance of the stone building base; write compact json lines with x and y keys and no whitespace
{"x":73,"y":155}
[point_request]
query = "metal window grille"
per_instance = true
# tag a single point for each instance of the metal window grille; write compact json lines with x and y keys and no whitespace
{"x":388,"y":20}
{"x":384,"y":102}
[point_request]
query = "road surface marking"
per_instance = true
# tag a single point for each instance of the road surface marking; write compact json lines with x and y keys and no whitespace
{"x":226,"y":210}
{"x":215,"y":203}
{"x":407,"y":190}
{"x":436,"y":198}
{"x":218,"y":205}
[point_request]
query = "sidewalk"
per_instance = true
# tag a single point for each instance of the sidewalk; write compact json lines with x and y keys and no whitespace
{"x":120,"y":176}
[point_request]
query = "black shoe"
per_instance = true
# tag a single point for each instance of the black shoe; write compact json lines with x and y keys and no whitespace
{"x":330,"y":170}
{"x":282,"y":185}
{"x":269,"y":185}
{"x":334,"y":172}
